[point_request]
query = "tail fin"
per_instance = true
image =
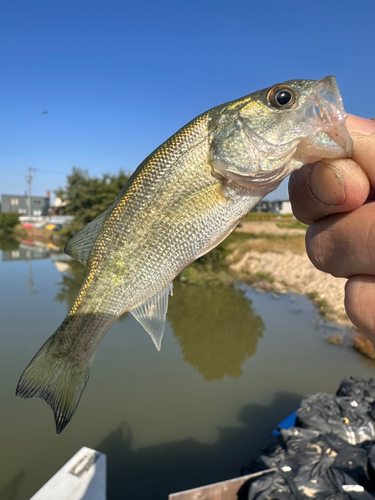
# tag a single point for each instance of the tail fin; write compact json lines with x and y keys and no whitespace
{"x":56,"y":380}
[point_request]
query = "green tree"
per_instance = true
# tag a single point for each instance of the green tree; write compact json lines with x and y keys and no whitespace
{"x":86,"y":197}
{"x":8,"y":222}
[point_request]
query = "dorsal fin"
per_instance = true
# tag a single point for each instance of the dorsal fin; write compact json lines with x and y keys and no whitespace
{"x":151,"y":315}
{"x":80,"y":245}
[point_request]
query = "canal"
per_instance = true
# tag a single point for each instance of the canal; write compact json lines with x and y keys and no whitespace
{"x":233,"y":363}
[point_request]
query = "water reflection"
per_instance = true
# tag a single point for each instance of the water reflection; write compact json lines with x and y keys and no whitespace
{"x":71,"y":282}
{"x":216,"y":328}
{"x":8,"y":244}
{"x":179,"y":465}
{"x":26,"y":251}
{"x":13,"y":250}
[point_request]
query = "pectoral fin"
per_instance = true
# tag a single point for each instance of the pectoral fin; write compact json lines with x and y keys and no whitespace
{"x":151,"y":315}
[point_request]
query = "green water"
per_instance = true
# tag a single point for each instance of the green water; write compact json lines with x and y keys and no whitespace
{"x":233,"y":364}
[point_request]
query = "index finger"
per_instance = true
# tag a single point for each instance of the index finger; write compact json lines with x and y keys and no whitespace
{"x":336,"y":186}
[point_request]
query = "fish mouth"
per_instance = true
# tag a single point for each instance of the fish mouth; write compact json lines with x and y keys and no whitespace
{"x":313,"y":128}
{"x":329,"y":137}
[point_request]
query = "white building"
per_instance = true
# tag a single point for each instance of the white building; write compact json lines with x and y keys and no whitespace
{"x":281,"y":207}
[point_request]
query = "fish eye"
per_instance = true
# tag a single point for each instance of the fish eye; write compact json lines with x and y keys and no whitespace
{"x":282,"y":97}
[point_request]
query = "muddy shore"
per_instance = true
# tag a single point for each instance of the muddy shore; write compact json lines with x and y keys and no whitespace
{"x":281,"y":265}
{"x":286,"y":267}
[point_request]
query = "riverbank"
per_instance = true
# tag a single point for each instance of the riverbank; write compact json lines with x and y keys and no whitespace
{"x":271,"y":256}
{"x":277,"y":261}
{"x":42,"y":235}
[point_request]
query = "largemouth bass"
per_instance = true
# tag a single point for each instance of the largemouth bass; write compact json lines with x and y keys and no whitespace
{"x":181,"y":202}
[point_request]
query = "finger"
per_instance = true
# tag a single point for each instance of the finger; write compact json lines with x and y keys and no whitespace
{"x":316,"y":192}
{"x":363,"y":134}
{"x":344,"y":244}
{"x":326,"y":188}
{"x":360,"y":302}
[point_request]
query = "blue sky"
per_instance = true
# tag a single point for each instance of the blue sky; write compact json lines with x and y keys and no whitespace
{"x":118,"y":77}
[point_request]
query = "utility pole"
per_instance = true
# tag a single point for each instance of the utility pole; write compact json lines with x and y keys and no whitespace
{"x":29,"y":179}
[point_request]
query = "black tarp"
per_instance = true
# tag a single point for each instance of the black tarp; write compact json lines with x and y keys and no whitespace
{"x":328,"y":454}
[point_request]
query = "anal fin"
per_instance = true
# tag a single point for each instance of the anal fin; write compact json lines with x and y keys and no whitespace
{"x":151,"y":315}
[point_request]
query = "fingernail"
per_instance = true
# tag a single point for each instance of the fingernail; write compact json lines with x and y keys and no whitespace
{"x":361,"y":125}
{"x":326,"y":184}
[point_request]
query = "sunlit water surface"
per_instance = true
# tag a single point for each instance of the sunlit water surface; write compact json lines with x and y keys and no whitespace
{"x":233,"y":364}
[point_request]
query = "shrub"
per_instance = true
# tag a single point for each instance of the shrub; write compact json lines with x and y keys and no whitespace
{"x":8,"y":222}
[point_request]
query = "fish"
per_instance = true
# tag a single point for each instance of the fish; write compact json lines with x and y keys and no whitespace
{"x":183,"y":200}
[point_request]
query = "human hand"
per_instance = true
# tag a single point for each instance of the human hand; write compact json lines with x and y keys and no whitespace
{"x":336,"y":198}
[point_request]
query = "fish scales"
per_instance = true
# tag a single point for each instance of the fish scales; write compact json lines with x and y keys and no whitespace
{"x":183,"y":199}
{"x":172,"y":216}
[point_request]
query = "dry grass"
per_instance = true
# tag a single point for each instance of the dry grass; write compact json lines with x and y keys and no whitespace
{"x":363,"y":345}
{"x":294,"y":244}
{"x":336,"y":339}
